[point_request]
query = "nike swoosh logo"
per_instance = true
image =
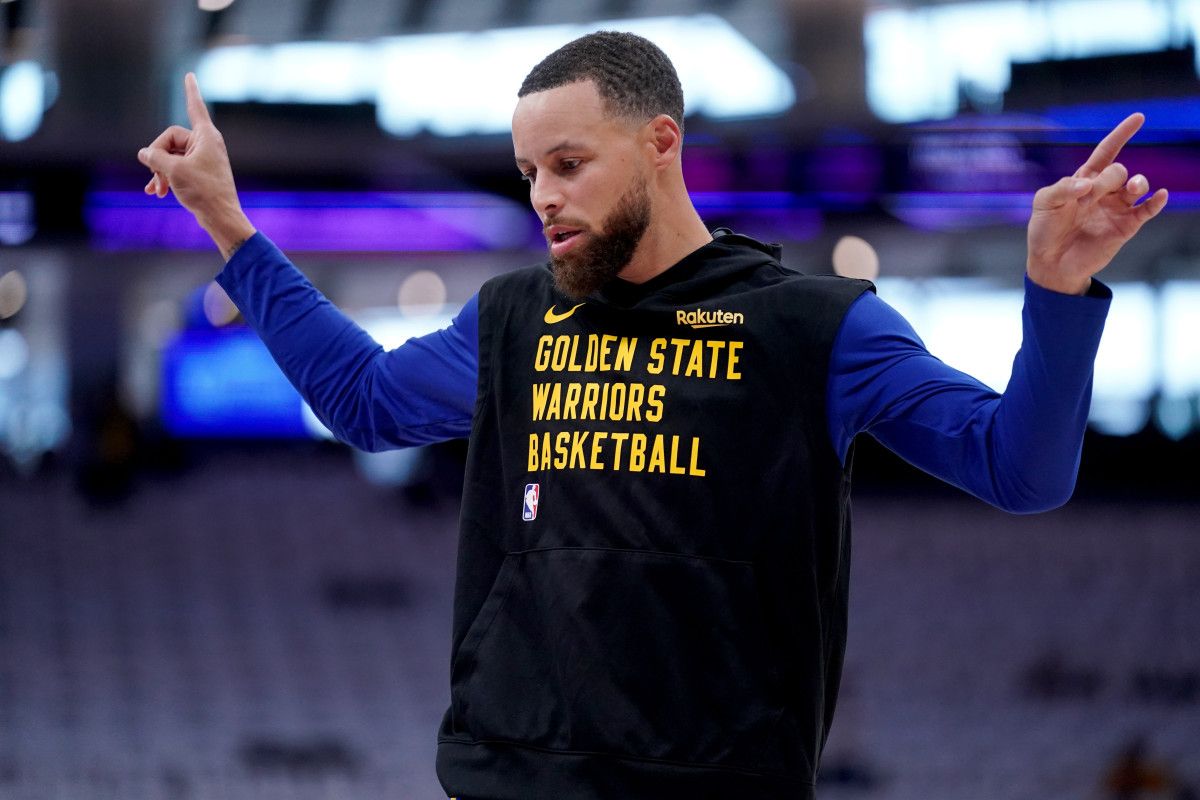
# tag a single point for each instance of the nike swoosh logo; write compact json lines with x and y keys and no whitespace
{"x":552,"y":318}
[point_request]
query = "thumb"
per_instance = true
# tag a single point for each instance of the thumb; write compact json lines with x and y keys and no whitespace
{"x":158,"y":160}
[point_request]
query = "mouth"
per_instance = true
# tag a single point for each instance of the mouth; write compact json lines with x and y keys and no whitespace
{"x":562,"y":239}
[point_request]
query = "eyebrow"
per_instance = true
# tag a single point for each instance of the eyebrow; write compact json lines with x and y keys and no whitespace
{"x":563,"y":145}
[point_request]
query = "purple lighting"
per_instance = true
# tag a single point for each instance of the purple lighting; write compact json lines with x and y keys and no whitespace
{"x":770,"y":216}
{"x":16,"y":217}
{"x":951,"y":211}
{"x":329,"y":221}
{"x":403,"y":222}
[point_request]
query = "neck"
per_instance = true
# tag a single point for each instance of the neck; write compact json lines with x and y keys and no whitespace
{"x":675,"y":231}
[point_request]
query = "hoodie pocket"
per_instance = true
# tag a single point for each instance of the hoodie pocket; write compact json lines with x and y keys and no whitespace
{"x":627,"y":652}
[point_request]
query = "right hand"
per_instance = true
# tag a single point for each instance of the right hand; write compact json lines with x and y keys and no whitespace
{"x":194,"y":164}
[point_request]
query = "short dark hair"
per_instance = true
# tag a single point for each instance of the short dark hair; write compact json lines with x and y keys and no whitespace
{"x":634,"y":77}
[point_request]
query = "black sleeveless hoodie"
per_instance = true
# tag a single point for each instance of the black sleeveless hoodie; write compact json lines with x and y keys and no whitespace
{"x":655,"y":537}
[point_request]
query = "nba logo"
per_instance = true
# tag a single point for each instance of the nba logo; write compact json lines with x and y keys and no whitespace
{"x":529,"y":512}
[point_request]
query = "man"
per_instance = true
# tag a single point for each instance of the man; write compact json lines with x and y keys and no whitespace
{"x":654,"y":550}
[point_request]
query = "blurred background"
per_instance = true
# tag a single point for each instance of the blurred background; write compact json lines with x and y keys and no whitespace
{"x":201,"y":596}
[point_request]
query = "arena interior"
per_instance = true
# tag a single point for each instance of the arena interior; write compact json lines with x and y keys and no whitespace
{"x":204,"y":597}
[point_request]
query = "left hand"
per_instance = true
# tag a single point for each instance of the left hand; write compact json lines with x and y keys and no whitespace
{"x":1080,"y":223}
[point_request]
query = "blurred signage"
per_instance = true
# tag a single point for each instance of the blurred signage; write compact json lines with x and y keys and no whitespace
{"x":223,"y":383}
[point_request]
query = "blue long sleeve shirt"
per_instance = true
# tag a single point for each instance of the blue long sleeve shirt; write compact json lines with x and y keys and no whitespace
{"x":1018,"y":450}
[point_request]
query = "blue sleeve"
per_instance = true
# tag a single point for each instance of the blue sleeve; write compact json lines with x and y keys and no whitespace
{"x":418,"y":393}
{"x":1018,"y":451}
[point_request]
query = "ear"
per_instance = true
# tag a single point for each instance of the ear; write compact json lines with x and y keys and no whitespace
{"x":665,"y":139}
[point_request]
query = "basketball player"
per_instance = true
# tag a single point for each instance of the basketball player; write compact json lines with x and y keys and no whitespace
{"x":655,"y":537}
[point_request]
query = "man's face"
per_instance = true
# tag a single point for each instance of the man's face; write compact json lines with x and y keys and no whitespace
{"x":588,"y":183}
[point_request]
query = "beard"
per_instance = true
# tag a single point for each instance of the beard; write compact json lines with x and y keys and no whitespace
{"x":579,"y":273}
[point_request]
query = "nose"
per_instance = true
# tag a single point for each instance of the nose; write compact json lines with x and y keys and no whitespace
{"x":546,"y":195}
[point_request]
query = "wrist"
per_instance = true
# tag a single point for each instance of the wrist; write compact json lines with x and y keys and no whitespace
{"x":1062,"y":284}
{"x":229,"y":230}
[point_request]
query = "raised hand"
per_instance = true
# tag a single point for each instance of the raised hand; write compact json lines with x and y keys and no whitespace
{"x":1080,"y":223}
{"x":194,"y":165}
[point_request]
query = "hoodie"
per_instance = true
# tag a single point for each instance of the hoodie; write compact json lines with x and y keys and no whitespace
{"x":652,"y":575}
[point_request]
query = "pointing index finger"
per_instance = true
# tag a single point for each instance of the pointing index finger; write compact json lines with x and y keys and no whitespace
{"x":196,"y":110}
{"x":1110,"y":146}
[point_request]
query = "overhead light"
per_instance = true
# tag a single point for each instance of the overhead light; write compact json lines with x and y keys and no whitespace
{"x":422,"y":292}
{"x":1179,"y":318}
{"x":14,"y":353}
{"x":854,"y":257}
{"x":22,"y":100}
{"x":13,"y":293}
{"x":468,"y":82}
{"x":921,"y":59}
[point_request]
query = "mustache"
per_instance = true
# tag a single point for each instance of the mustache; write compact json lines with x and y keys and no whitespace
{"x":566,"y":223}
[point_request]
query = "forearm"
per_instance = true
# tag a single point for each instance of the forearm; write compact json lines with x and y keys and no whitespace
{"x":1037,"y":433}
{"x":1020,"y":450}
{"x":371,"y":399}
